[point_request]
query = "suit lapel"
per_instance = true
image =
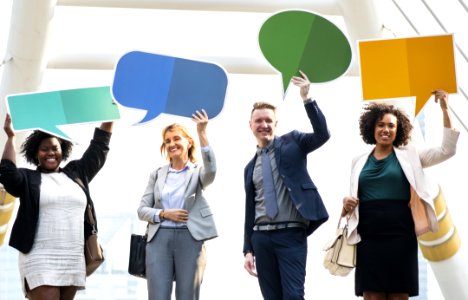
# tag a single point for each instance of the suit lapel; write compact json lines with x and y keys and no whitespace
{"x":160,"y":180}
{"x":188,"y":178}
{"x":357,"y":168}
{"x":404,"y":161}
{"x":188,"y":189}
{"x":277,"y":145}
{"x":249,"y":173}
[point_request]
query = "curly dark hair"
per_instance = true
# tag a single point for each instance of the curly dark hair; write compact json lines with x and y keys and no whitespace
{"x":30,"y":146}
{"x":375,"y":112}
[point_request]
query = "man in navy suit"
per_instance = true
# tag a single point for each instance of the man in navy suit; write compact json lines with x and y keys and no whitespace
{"x":275,"y":231}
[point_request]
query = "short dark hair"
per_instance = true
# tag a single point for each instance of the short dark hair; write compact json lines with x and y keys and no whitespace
{"x":262,"y":105}
{"x":31,"y":144}
{"x":375,"y":112}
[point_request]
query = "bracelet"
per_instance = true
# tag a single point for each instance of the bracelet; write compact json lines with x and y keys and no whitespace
{"x":161,"y":216}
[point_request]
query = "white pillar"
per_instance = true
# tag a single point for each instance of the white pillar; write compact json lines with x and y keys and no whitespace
{"x":362,"y":22}
{"x":24,"y":64}
{"x":444,"y":252}
{"x":24,"y":59}
{"x":452,"y":275}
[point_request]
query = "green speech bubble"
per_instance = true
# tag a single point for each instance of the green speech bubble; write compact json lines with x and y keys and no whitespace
{"x":47,"y":110}
{"x":299,"y":40}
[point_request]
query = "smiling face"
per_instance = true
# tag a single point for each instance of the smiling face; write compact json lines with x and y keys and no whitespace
{"x":49,"y":154}
{"x":176,"y":145}
{"x":263,"y":125}
{"x":385,"y":130}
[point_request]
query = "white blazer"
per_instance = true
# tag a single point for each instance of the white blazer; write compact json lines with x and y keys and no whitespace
{"x":412,"y":162}
{"x":200,"y":222}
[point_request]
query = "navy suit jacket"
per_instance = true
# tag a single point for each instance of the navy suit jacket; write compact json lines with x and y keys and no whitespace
{"x":291,"y":152}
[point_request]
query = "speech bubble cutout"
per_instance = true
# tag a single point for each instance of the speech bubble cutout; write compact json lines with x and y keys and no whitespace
{"x":299,"y":40}
{"x":166,"y":84}
{"x":45,"y":111}
{"x":407,"y":67}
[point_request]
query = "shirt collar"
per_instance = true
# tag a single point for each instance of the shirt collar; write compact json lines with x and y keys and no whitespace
{"x":189,"y":166}
{"x":269,"y":147}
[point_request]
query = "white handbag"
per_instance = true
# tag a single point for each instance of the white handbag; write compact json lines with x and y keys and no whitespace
{"x":340,"y":257}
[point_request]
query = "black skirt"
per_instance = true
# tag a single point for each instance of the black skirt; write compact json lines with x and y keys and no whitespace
{"x":387,"y":255}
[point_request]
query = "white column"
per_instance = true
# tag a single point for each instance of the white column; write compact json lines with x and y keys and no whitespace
{"x":362,"y":22}
{"x":25,"y":54}
{"x":24,"y":64}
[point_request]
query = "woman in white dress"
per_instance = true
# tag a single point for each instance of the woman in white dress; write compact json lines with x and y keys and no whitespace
{"x":50,"y":227}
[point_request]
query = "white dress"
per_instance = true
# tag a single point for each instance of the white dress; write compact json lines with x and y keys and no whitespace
{"x":57,"y":257}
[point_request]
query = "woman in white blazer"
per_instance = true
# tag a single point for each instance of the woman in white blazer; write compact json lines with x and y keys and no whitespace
{"x":382,"y":219}
{"x":179,"y":217}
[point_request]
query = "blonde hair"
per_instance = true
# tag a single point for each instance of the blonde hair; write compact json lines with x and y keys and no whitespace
{"x":262,"y":105}
{"x":185,"y":133}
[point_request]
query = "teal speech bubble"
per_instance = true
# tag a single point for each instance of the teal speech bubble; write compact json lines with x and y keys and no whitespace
{"x":299,"y":40}
{"x":46,"y":110}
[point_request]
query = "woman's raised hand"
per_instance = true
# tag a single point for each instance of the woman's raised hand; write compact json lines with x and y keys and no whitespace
{"x":7,"y":126}
{"x":201,"y":118}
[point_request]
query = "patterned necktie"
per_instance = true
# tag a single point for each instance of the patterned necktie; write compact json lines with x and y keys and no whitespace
{"x":269,"y":192}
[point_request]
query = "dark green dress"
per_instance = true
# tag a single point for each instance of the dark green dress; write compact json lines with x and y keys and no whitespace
{"x":387,"y":255}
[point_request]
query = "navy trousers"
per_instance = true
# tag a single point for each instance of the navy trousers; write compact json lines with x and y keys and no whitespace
{"x":280,"y":259}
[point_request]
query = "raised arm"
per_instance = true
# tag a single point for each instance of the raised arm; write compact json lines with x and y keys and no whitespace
{"x":321,"y":134}
{"x":107,"y":126}
{"x":303,"y":83}
{"x":441,"y":96}
{"x":435,"y":155}
{"x":201,"y":118}
{"x":9,"y":152}
{"x":208,"y":172}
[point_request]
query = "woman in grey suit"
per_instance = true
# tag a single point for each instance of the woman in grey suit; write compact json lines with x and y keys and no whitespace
{"x":179,"y":217}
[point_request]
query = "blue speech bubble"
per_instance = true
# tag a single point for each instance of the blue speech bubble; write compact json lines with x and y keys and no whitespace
{"x":165,"y":84}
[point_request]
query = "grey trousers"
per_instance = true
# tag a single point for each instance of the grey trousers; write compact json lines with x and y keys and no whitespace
{"x":173,"y":255}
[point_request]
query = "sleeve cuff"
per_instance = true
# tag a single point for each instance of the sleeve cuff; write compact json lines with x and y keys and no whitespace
{"x":156,"y":218}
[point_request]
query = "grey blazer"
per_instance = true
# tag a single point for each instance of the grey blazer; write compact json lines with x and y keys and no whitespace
{"x":200,"y":222}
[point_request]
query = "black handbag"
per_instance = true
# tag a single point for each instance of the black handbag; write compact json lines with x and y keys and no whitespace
{"x":137,"y":257}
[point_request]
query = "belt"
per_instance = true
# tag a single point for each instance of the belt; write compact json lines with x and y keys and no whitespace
{"x":278,"y":226}
{"x":173,"y":227}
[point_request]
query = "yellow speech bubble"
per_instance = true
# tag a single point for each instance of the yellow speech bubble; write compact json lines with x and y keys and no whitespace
{"x":407,"y":67}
